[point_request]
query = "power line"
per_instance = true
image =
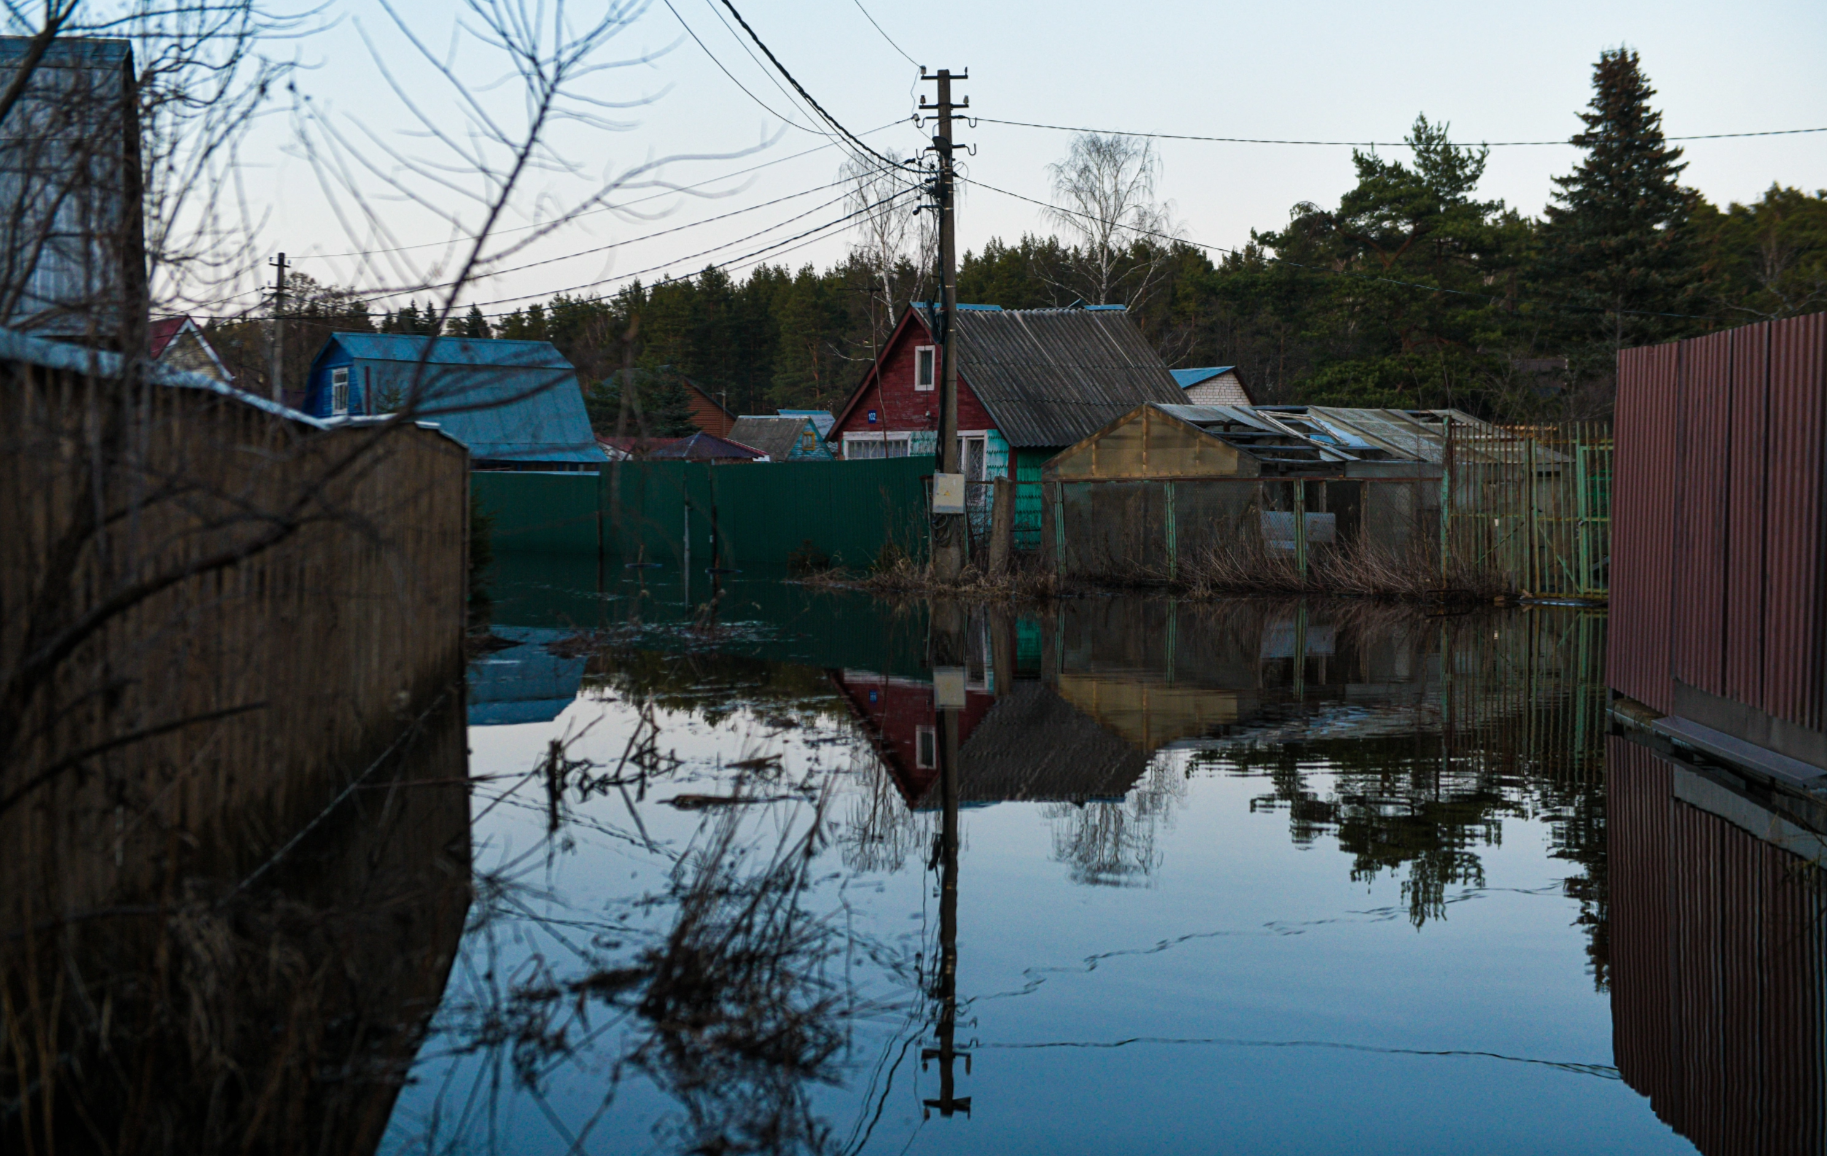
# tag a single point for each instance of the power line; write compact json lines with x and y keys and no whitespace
{"x":732,"y":76}
{"x":1314,"y":268}
{"x":649,"y":237}
{"x":884,"y":32}
{"x":1358,"y":143}
{"x":830,"y":143}
{"x":662,"y":265}
{"x":801,"y":89}
{"x":732,"y":263}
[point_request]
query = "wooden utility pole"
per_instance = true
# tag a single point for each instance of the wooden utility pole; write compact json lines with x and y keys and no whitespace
{"x":278,"y":329}
{"x":948,"y":531}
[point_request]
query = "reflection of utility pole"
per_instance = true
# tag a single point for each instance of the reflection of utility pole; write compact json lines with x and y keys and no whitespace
{"x":948,"y":701}
{"x":948,"y":538}
{"x":278,"y":328}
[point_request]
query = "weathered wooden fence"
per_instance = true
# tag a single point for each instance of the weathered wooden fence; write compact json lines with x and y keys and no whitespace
{"x":212,"y":614}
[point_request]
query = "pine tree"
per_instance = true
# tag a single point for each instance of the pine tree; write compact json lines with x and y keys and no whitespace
{"x":1616,"y":246}
{"x":474,"y":324}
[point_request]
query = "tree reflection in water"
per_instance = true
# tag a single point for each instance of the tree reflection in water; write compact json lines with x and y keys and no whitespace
{"x":1111,"y":842}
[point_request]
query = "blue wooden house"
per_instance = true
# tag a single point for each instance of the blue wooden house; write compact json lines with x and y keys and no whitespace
{"x":515,"y":404}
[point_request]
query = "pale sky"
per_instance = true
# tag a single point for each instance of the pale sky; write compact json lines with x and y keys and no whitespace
{"x":1321,"y":70}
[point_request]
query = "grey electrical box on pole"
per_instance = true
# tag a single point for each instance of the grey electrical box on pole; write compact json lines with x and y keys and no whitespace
{"x":948,"y":531}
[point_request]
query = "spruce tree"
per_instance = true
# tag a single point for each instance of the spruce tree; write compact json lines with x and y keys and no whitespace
{"x":474,"y":324}
{"x":1616,"y":248}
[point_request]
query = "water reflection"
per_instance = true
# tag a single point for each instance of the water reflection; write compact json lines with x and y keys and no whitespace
{"x":234,"y":976}
{"x":1720,"y":955}
{"x":856,"y":878}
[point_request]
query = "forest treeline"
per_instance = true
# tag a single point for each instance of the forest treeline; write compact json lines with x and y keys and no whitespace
{"x":1410,"y":291}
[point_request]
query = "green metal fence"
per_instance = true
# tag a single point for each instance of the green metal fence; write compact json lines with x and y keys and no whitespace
{"x":767,"y":517}
{"x":1532,"y":503}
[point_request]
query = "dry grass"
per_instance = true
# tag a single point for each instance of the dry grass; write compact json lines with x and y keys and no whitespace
{"x":1360,"y":568}
{"x":907,"y":578}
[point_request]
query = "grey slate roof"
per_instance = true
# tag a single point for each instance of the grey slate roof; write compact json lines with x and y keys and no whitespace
{"x":1052,"y":376}
{"x":776,"y":437}
{"x":1034,"y":745}
{"x":505,"y":400}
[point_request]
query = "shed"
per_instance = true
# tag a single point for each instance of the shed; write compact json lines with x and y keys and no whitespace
{"x":782,"y":438}
{"x":1213,"y":385}
{"x":515,"y":404}
{"x":1244,"y":441}
{"x":1167,"y":482}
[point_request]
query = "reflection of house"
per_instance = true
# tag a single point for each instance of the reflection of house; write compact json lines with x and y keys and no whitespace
{"x":523,"y":683}
{"x":1718,"y":967}
{"x":177,"y":342}
{"x":515,"y":404}
{"x":899,"y":716}
{"x":1027,"y":744}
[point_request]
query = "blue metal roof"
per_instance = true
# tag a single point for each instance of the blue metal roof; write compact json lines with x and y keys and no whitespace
{"x":515,"y":401}
{"x":1187,"y":378}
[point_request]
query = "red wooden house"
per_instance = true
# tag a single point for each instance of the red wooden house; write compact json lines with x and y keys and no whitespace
{"x":1030,"y":383}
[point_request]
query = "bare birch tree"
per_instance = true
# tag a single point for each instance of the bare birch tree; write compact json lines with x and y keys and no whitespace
{"x":1104,"y":202}
{"x":894,"y":242}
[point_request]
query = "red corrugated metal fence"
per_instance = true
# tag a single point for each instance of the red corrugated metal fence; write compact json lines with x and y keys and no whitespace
{"x":1717,"y":969}
{"x":1717,"y":574}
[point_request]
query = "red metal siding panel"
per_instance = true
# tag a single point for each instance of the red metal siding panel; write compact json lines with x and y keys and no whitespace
{"x":1717,"y":968}
{"x":1704,"y":451}
{"x":1745,"y":504}
{"x":1643,"y":507}
{"x":1792,"y":596}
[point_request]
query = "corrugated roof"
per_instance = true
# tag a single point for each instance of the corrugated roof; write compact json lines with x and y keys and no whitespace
{"x":1052,"y":376}
{"x":505,"y":400}
{"x":1034,"y":745}
{"x":824,"y":419}
{"x":1187,"y":378}
{"x":703,"y":447}
{"x":774,"y":436}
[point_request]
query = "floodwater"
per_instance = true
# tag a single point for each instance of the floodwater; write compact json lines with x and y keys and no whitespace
{"x":1251,"y":877}
{"x":754,"y":867}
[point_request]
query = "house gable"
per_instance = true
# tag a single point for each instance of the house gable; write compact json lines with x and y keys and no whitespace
{"x":886,"y":400}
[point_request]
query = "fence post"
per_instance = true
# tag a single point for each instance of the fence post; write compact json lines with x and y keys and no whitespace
{"x":1446,"y":505}
{"x":1059,"y":529}
{"x":1173,"y":550}
{"x":1533,"y":573}
{"x":1002,"y":525}
{"x":1300,"y":528}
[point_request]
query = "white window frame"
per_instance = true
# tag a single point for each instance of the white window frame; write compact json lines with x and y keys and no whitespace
{"x":885,"y":439}
{"x":975,"y":435}
{"x":926,"y":748}
{"x":932,"y":367}
{"x":339,"y":392}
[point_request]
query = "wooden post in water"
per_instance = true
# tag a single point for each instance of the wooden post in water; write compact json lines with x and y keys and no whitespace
{"x":1300,"y":529}
{"x":1002,"y":526}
